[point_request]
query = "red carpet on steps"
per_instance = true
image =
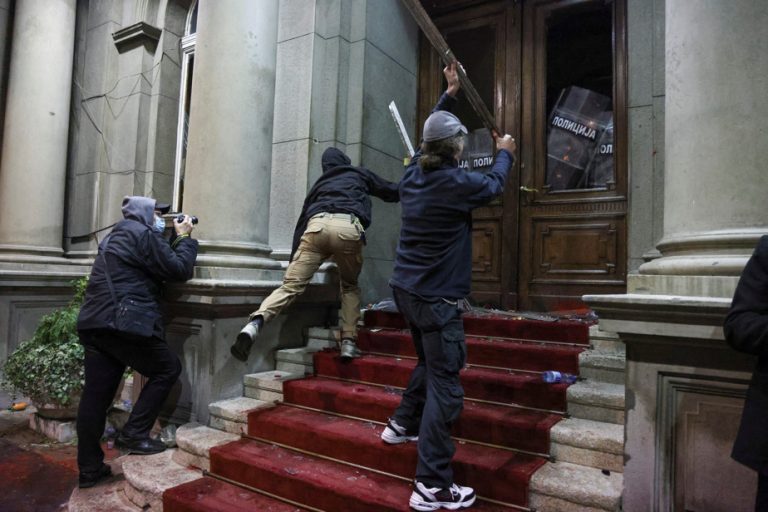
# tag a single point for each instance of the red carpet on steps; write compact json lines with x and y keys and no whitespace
{"x":321,"y":448}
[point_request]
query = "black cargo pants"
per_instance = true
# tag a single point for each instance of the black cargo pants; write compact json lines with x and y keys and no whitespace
{"x":434,"y":397}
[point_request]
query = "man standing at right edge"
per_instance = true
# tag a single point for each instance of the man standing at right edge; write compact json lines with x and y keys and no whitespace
{"x":432,"y":275}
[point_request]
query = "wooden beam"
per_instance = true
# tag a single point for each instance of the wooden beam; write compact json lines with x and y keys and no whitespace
{"x":438,"y":42}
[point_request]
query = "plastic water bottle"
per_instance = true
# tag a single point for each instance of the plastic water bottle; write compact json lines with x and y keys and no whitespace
{"x":552,"y":377}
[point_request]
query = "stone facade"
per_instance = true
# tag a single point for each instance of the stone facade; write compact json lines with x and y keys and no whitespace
{"x":275,"y":82}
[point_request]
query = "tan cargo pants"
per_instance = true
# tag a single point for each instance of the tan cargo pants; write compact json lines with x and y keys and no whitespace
{"x":337,"y":235}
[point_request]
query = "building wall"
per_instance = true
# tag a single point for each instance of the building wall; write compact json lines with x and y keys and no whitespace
{"x":645,"y":48}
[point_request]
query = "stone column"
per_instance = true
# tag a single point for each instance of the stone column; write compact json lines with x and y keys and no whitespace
{"x":230,"y":139}
{"x":34,"y":157}
{"x":716,"y":128}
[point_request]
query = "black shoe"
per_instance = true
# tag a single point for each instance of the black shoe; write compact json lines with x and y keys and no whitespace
{"x":245,"y":338}
{"x":142,"y":446}
{"x":91,"y":478}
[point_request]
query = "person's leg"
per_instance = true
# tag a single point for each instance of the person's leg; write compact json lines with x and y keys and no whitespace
{"x":308,"y":258}
{"x":102,"y":378}
{"x":445,"y":355}
{"x":347,"y":248}
{"x":404,"y":423}
{"x":152,"y":358}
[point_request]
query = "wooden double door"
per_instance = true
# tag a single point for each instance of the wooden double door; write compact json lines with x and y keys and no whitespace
{"x":553,"y":74}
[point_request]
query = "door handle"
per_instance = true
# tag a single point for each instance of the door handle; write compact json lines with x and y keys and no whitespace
{"x":529,"y":190}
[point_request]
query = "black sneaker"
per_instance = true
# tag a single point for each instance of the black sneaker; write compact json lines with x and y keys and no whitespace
{"x":90,"y":478}
{"x":454,"y":497}
{"x":142,"y":446}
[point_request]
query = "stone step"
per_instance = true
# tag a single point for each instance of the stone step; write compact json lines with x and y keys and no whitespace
{"x":231,"y":415}
{"x":605,"y":341}
{"x":588,"y":443}
{"x":148,"y":476}
{"x":598,"y":401}
{"x":319,"y":338}
{"x":566,"y":487}
{"x":108,"y":495}
{"x":267,"y":386}
{"x":603,"y":366}
{"x":295,"y":360}
{"x":194,"y":442}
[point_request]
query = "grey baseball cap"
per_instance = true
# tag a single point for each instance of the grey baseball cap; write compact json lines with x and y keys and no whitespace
{"x":441,"y":125}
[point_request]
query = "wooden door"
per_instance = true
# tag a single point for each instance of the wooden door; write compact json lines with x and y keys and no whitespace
{"x":573,"y":205}
{"x":559,"y":231}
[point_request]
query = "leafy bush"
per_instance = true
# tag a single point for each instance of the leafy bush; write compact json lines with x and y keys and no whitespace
{"x":49,"y":367}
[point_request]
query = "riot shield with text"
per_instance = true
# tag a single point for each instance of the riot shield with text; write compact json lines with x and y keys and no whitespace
{"x":575,"y":124}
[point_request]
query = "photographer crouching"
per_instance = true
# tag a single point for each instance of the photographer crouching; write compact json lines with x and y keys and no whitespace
{"x":120,"y":325}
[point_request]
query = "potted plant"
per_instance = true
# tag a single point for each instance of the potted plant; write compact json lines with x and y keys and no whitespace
{"x":49,"y":367}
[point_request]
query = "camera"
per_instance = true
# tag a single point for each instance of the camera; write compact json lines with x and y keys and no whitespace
{"x":180,"y":218}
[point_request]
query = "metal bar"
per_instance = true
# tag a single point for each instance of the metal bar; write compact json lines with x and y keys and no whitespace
{"x":438,"y":42}
{"x":406,"y":140}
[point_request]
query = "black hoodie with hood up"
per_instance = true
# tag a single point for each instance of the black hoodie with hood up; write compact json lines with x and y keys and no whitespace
{"x":140,"y":259}
{"x":343,"y":188}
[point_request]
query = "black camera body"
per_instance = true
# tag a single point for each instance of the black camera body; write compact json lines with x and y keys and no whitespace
{"x":180,"y":218}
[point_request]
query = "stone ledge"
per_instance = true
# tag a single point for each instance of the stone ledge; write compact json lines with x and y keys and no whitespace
{"x":105,"y":496}
{"x":62,"y":431}
{"x":296,"y":368}
{"x":195,"y":441}
{"x":597,"y":394}
{"x":586,"y":457}
{"x":567,"y":487}
{"x":603,"y":360}
{"x":198,"y":439}
{"x":269,"y":381}
{"x":606,"y":367}
{"x":148,"y":476}
{"x":235,"y":409}
{"x":592,"y":435}
{"x":301,"y":355}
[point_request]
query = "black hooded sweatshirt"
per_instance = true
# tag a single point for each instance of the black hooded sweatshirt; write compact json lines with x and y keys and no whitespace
{"x":140,"y":260}
{"x":343,"y":188}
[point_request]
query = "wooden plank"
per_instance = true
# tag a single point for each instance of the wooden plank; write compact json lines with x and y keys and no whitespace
{"x":438,"y":42}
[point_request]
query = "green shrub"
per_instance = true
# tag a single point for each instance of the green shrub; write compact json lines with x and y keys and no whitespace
{"x":49,"y":367}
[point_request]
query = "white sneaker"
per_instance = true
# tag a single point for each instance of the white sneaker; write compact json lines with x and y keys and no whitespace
{"x":395,"y":434}
{"x":433,"y":498}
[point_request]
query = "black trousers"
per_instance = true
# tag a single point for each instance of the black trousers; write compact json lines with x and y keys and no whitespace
{"x":434,"y":397}
{"x":107,"y":354}
{"x":761,"y":502}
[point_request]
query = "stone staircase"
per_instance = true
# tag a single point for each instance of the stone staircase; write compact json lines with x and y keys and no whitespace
{"x":586,"y":446}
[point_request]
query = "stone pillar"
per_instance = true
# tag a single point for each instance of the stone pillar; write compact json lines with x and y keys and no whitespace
{"x":230,"y":139}
{"x":716,"y":120}
{"x":34,"y":157}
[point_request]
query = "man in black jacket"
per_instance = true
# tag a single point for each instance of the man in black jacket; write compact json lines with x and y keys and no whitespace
{"x":432,"y":275}
{"x":336,"y":213}
{"x":137,"y":260}
{"x":746,"y":330}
